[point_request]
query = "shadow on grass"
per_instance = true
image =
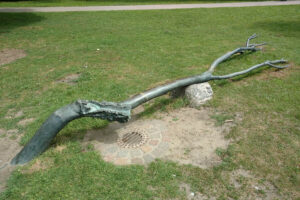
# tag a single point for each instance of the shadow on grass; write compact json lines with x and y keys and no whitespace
{"x":10,"y":21}
{"x":160,"y":104}
{"x":251,"y":74}
{"x":284,"y":28}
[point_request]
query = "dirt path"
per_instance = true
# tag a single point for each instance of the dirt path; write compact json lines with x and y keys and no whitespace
{"x":147,"y":7}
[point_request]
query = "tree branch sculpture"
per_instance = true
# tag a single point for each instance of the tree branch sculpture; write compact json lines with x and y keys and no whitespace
{"x":121,"y":111}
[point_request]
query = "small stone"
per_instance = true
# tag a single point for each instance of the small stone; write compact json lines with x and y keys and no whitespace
{"x":163,"y":146}
{"x":158,"y":153}
{"x":148,"y":158}
{"x":9,"y":114}
{"x":146,"y":148}
{"x":199,"y":94}
{"x":110,"y":150}
{"x":121,"y":161}
{"x":166,"y":139}
{"x":153,"y":142}
{"x":154,"y":135}
{"x":138,"y":161}
{"x":160,"y":150}
{"x":135,"y":153}
{"x":123,"y":153}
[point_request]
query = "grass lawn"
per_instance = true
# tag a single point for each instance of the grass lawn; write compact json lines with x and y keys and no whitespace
{"x":103,"y":2}
{"x":137,"y":50}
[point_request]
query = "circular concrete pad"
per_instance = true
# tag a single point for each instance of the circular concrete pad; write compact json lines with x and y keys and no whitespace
{"x":186,"y":136}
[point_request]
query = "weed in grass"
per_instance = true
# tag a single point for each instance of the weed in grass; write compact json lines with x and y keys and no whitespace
{"x":187,"y":151}
{"x":221,"y":118}
{"x":13,"y":137}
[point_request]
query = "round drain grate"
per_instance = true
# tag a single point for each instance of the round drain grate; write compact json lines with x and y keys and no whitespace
{"x":132,"y":139}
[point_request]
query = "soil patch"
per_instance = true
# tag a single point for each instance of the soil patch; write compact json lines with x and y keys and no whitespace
{"x":37,"y":166}
{"x":12,"y":113}
{"x":256,"y":188}
{"x":9,"y":55}
{"x":70,"y":79}
{"x":8,"y":149}
{"x":191,"y":195}
{"x":2,"y":131}
{"x":276,"y":73}
{"x":60,"y":148}
{"x":186,"y":136}
{"x":24,"y":122}
{"x":12,"y":131}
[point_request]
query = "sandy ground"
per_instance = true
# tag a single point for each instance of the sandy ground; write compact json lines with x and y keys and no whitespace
{"x":186,"y":136}
{"x":9,"y":144}
{"x":8,"y":149}
{"x":70,"y":79}
{"x":10,"y":55}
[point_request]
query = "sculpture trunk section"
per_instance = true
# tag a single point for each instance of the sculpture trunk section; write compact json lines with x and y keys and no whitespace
{"x":46,"y":133}
{"x":121,"y":111}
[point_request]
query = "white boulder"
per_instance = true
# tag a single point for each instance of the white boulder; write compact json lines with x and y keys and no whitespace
{"x":198,"y":94}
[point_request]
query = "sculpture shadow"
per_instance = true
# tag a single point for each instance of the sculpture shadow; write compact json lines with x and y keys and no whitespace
{"x":108,"y":134}
{"x":10,"y":21}
{"x":287,"y":28}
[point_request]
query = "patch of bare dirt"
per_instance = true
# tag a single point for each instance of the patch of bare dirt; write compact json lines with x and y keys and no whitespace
{"x":12,"y":131}
{"x":8,"y":149}
{"x":2,"y":131}
{"x":70,"y":79}
{"x":277,"y":73}
{"x":9,"y":55}
{"x":60,"y":148}
{"x":193,"y":137}
{"x":186,"y":136}
{"x":12,"y":114}
{"x":193,"y":195}
{"x":9,"y":132}
{"x":37,"y":166}
{"x":256,"y":189}
{"x":26,"y":121}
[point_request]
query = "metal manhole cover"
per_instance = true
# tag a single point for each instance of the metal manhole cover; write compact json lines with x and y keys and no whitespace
{"x":132,"y":139}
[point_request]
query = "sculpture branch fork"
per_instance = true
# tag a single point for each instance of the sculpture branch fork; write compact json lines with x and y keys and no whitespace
{"x":121,"y":111}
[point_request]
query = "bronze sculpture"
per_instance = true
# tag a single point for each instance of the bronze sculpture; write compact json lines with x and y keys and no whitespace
{"x":121,"y":111}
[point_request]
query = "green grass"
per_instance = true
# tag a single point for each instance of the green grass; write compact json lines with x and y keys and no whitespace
{"x":138,"y":50}
{"x":221,"y":118}
{"x":46,"y":3}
